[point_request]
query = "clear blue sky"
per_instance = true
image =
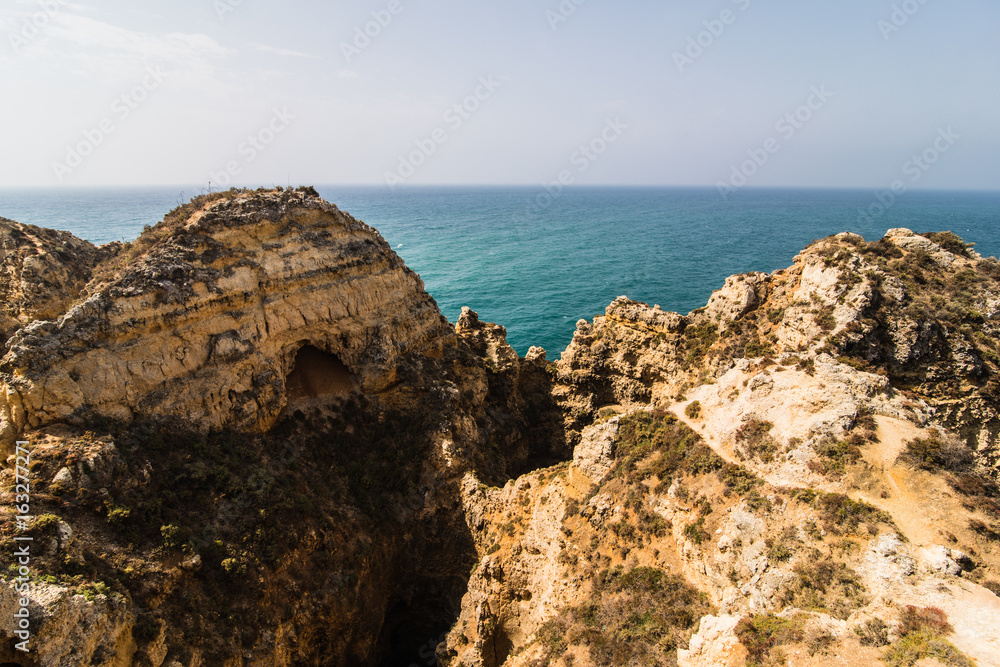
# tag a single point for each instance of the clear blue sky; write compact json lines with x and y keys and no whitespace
{"x":227,"y":66}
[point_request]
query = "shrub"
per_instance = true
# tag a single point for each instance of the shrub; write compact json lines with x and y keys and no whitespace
{"x":921,"y":636}
{"x":173,"y":536}
{"x":991,"y":533}
{"x":45,"y":524}
{"x":118,"y":516}
{"x":913,"y":648}
{"x":761,"y":633}
{"x":640,"y":616}
{"x":755,"y":441}
{"x":826,"y":586}
{"x":693,"y":411}
{"x":696,"y":531}
{"x":840,"y":514}
{"x":873,"y":632}
{"x":992,"y":586}
{"x":818,"y":641}
{"x":680,"y":449}
{"x":939,"y":451}
{"x":782,"y":548}
{"x":924,"y":619}
{"x":950,"y":242}
{"x":835,"y":455}
{"x":92,"y":590}
{"x":825,"y":318}
{"x":738,"y":479}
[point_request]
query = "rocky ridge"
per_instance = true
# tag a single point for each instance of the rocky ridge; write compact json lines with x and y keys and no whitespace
{"x":802,"y":472}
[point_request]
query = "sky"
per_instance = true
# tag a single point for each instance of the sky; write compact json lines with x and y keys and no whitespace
{"x":725,"y":93}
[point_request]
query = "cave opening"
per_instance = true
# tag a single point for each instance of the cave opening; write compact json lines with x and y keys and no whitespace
{"x":429,"y":603}
{"x":318,"y":376}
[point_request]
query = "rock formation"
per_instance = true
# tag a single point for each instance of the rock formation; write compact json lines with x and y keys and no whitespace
{"x":207,"y":318}
{"x":43,"y":273}
{"x":256,"y":441}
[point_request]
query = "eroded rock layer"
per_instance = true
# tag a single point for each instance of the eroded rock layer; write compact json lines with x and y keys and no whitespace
{"x":257,"y":442}
{"x":206,"y":316}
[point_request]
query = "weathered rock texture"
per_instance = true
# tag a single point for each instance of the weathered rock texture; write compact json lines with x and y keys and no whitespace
{"x":42,"y":272}
{"x":759,"y":452}
{"x":253,"y":422}
{"x":207,"y":321}
{"x":257,"y":442}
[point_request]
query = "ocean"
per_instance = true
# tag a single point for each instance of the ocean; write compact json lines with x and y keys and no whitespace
{"x":537,"y":262}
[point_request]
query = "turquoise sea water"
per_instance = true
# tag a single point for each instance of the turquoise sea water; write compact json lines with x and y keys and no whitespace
{"x":537,"y":264}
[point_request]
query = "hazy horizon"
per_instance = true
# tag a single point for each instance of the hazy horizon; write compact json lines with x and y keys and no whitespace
{"x":732,"y":94}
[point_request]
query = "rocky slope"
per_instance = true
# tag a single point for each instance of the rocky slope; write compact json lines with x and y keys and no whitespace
{"x":248,"y":432}
{"x":43,"y":272}
{"x":257,"y":442}
{"x":803,"y":472}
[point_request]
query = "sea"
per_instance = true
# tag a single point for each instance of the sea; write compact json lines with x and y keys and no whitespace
{"x":537,"y":261}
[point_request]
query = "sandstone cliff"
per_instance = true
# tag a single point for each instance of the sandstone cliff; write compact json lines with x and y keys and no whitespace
{"x":802,"y":472}
{"x":207,"y":320}
{"x":257,"y":442}
{"x":43,"y":272}
{"x":249,"y":427}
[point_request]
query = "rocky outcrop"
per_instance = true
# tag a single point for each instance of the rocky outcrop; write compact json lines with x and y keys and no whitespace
{"x":253,"y":423}
{"x":255,"y":441}
{"x":789,"y":497}
{"x":923,"y":315}
{"x":42,"y":272}
{"x":206,"y":322}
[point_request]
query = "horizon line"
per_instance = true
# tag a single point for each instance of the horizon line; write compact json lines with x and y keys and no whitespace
{"x":416,"y":186}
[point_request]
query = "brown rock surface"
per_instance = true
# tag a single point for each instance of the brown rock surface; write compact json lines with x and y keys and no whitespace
{"x":257,"y":442}
{"x":206,"y":321}
{"x":42,"y":272}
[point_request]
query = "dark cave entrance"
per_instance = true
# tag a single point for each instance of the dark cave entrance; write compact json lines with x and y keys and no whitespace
{"x":429,"y":603}
{"x":318,"y":376}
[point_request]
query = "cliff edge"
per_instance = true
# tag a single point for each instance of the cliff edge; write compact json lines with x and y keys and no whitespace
{"x":256,"y":441}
